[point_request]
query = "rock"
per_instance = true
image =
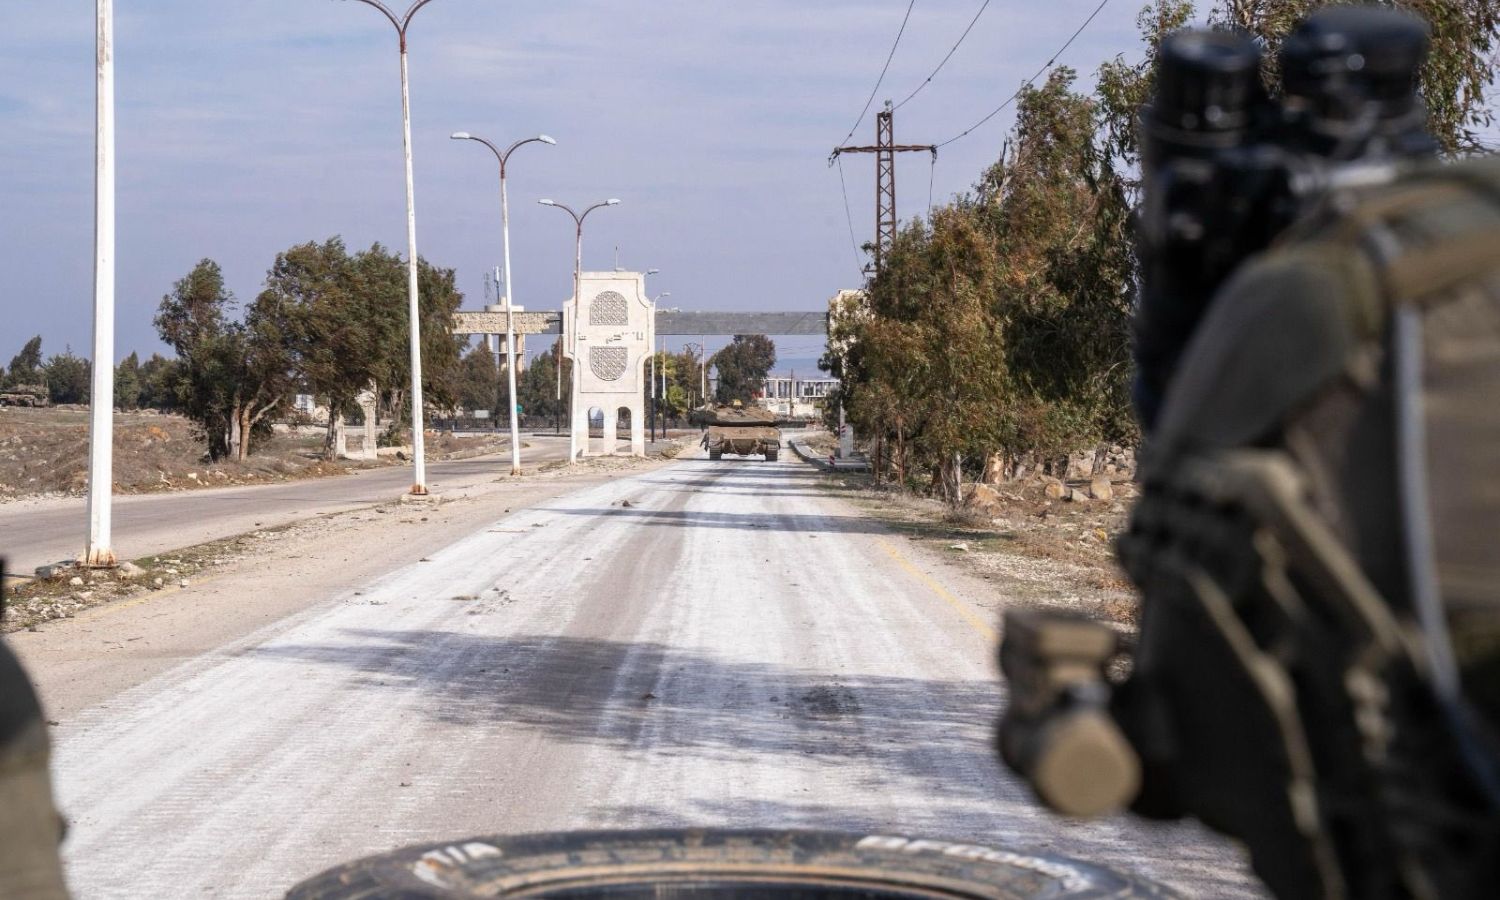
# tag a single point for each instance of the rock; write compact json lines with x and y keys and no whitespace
{"x":183,"y":583}
{"x":984,"y":497}
{"x":1056,"y":490}
{"x":960,"y":547}
{"x":54,"y":571}
{"x":86,"y":595}
{"x":1101,"y":488}
{"x":75,"y":581}
{"x":1077,"y":495}
{"x":157,"y":583}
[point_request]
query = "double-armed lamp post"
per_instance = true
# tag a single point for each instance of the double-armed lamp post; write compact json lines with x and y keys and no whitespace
{"x":577,"y":293}
{"x":419,"y":459}
{"x":510,"y":299}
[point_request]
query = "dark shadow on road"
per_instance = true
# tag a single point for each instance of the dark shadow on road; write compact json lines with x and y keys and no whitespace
{"x":682,"y":518}
{"x":913,"y":735}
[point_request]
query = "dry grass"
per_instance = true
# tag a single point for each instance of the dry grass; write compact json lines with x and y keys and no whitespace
{"x":45,"y":452}
{"x":1056,"y":554}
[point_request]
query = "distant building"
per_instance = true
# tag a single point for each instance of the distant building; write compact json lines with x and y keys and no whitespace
{"x":799,"y":398}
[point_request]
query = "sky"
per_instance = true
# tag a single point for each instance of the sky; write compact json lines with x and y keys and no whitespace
{"x":245,"y":128}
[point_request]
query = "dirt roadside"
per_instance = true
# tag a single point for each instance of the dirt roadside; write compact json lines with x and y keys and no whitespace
{"x":238,"y":586}
{"x":44,"y":454}
{"x":1028,"y":548}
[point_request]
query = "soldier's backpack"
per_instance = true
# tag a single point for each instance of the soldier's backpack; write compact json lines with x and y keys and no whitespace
{"x":1318,"y":547}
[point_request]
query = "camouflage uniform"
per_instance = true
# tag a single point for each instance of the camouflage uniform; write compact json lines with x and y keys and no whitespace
{"x":30,"y":828}
{"x":1325,"y":457}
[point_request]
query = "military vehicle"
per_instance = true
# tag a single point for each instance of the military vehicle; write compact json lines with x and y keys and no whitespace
{"x":741,"y":430}
{"x":25,"y":395}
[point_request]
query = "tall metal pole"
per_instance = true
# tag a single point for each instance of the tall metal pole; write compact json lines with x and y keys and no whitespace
{"x":419,"y":455}
{"x":98,"y":551}
{"x":510,"y":331}
{"x":573,"y":382}
{"x":418,"y":450}
{"x":577,"y":306}
{"x":651,"y":379}
{"x":885,"y":149}
{"x":510,"y":301}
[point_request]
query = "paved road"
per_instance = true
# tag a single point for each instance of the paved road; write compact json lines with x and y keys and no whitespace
{"x":732,"y":647}
{"x":145,"y":524}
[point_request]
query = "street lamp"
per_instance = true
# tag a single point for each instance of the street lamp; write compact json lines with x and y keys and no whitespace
{"x":510,"y":316}
{"x":98,"y":551}
{"x":419,"y":458}
{"x":656,"y":403}
{"x":702,"y":369}
{"x":577,"y":292}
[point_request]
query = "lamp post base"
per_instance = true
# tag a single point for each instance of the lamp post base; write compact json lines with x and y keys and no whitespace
{"x":99,"y":559}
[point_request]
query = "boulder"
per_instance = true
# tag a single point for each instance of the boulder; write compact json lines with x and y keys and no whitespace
{"x":129,"y":570}
{"x":1101,"y":488}
{"x":1055,"y":490}
{"x":983,"y":496}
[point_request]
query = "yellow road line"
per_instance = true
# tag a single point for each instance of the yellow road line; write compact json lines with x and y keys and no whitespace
{"x":975,"y":621}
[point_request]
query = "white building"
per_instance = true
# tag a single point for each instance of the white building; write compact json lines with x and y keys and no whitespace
{"x":796,"y":398}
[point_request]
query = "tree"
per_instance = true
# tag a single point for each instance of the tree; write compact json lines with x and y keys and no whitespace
{"x":743,"y":367}
{"x":536,"y":388}
{"x":481,"y":383}
{"x":381,"y":278}
{"x":26,"y":366}
{"x":333,"y":329}
{"x":67,"y":378}
{"x":128,"y":383}
{"x":158,"y":377}
{"x":230,"y":375}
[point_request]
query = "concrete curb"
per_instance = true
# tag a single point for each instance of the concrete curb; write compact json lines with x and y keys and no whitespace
{"x":843,"y":465}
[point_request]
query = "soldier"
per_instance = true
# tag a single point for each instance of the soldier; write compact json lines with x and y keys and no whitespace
{"x":30,"y":828}
{"x":1318,"y":666}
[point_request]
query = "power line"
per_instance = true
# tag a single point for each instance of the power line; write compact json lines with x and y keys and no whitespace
{"x":886,"y":68}
{"x":849,"y":217}
{"x":1028,"y":82}
{"x":931,"y":177}
{"x":940,"y":65}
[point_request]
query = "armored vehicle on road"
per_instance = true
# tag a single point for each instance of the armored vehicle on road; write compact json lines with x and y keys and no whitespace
{"x":741,"y":430}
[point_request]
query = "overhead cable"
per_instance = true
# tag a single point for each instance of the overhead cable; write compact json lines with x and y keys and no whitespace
{"x":884,"y":70}
{"x":850,"y":218}
{"x":954,"y":50}
{"x":1028,"y":82}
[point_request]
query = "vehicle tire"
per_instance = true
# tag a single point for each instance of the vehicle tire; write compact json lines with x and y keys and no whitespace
{"x":771,"y":455}
{"x":691,"y":864}
{"x":715,"y":454}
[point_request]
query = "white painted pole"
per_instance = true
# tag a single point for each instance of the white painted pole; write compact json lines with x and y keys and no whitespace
{"x":98,"y":551}
{"x":573,"y":343}
{"x":419,"y":458}
{"x":510,"y":331}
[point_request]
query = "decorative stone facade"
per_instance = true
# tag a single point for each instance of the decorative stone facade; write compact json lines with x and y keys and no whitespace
{"x":613,"y":343}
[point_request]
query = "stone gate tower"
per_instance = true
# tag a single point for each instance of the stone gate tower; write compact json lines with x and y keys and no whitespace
{"x":609,"y":344}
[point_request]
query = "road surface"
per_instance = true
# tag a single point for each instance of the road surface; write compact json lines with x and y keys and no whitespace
{"x":703,"y":643}
{"x":37,"y":533}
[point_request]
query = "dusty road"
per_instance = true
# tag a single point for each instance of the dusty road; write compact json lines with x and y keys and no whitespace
{"x":37,"y":532}
{"x":733,"y":647}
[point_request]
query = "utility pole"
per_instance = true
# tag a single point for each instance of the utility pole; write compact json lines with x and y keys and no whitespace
{"x":98,"y":552}
{"x":885,"y":150}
